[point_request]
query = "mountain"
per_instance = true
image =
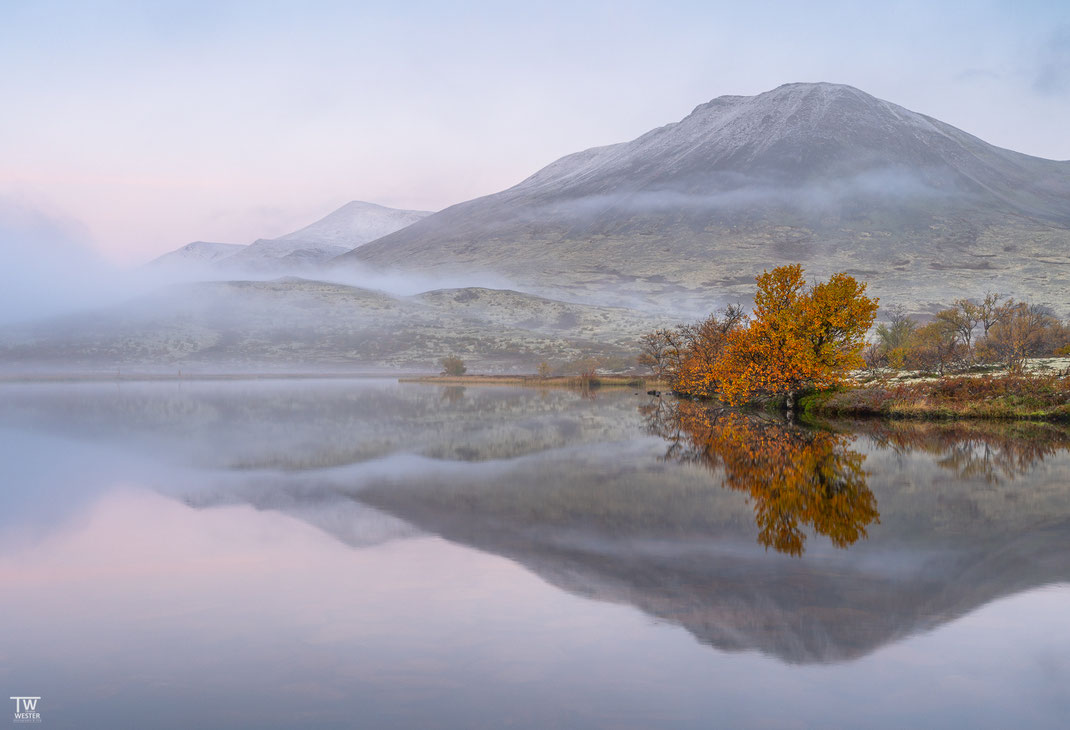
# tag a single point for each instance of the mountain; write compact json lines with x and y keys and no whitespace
{"x":347,"y":228}
{"x":294,"y":323}
{"x":197,"y":254}
{"x":352,"y":225}
{"x":822,"y":174}
{"x":356,"y":223}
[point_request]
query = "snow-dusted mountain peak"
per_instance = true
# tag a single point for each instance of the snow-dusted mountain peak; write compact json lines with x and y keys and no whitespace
{"x":820,"y":173}
{"x":196,"y":254}
{"x":356,"y":223}
{"x":801,"y":134}
{"x":343,"y":230}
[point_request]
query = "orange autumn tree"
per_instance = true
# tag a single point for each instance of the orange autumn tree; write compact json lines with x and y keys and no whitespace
{"x":800,"y":336}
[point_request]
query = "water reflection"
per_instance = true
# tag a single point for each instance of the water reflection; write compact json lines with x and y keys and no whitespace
{"x":579,"y":493}
{"x":795,"y":476}
{"x":990,"y":450}
{"x":453,"y":393}
{"x":619,"y":522}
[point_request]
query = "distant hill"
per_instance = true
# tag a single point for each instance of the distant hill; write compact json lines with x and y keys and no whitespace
{"x":349,"y":227}
{"x":302,"y":324}
{"x":352,"y":225}
{"x":823,"y":174}
{"x":196,"y":255}
{"x":355,"y":223}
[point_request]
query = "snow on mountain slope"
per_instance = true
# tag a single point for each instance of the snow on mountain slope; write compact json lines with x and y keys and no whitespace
{"x":805,"y":133}
{"x":355,"y":223}
{"x":197,"y":253}
{"x":823,"y":174}
{"x":352,"y":225}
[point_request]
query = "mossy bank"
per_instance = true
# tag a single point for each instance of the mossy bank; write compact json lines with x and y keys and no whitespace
{"x":1006,"y":398}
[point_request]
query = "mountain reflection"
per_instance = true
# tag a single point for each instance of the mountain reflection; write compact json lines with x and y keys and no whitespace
{"x":579,"y":492}
{"x":795,"y":477}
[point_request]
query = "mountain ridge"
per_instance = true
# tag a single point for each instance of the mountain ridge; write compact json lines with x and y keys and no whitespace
{"x":820,"y":173}
{"x":197,"y":253}
{"x":342,"y":230}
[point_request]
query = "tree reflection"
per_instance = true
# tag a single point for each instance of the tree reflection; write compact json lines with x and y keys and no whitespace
{"x":453,"y":393}
{"x":977,"y":450}
{"x":795,"y":477}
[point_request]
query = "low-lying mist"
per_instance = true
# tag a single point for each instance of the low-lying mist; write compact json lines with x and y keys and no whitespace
{"x":723,"y":192}
{"x":51,"y":269}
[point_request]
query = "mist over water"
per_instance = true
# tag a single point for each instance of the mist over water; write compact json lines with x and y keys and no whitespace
{"x":236,"y":490}
{"x":427,"y":556}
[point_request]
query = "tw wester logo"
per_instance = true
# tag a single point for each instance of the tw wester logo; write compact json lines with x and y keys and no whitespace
{"x":26,"y":709}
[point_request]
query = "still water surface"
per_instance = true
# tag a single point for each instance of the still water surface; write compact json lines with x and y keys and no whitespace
{"x":366,"y":554}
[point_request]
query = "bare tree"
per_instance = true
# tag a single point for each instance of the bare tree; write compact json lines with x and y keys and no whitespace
{"x":664,"y":350}
{"x":990,"y":311}
{"x":894,"y":338}
{"x":705,"y":339}
{"x":963,"y":317}
{"x":659,"y":351}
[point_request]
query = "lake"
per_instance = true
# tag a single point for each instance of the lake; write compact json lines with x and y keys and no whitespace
{"x":363,"y":553}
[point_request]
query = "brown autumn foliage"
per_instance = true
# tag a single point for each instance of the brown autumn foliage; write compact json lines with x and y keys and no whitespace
{"x":799,"y":336}
{"x":1036,"y":397}
{"x":992,"y":451}
{"x":453,"y":365}
{"x":585,"y":367}
{"x":936,"y":347}
{"x":795,"y":477}
{"x":1024,"y":330}
{"x":992,"y":331}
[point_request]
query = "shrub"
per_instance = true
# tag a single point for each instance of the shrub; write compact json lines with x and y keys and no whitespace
{"x":453,"y":365}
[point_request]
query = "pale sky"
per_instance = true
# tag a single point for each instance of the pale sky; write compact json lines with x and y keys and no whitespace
{"x":146,"y":125}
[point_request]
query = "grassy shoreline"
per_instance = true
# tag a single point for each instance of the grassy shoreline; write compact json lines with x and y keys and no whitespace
{"x":534,"y":381}
{"x":1003,"y":398}
{"x":557,"y":381}
{"x":961,"y":398}
{"x":184,"y":377}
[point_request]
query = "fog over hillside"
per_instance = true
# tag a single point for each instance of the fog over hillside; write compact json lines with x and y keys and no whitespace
{"x":294,"y":324}
{"x":196,"y":256}
{"x":579,"y":258}
{"x":823,"y":174}
{"x":301,"y":251}
{"x":349,"y":227}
